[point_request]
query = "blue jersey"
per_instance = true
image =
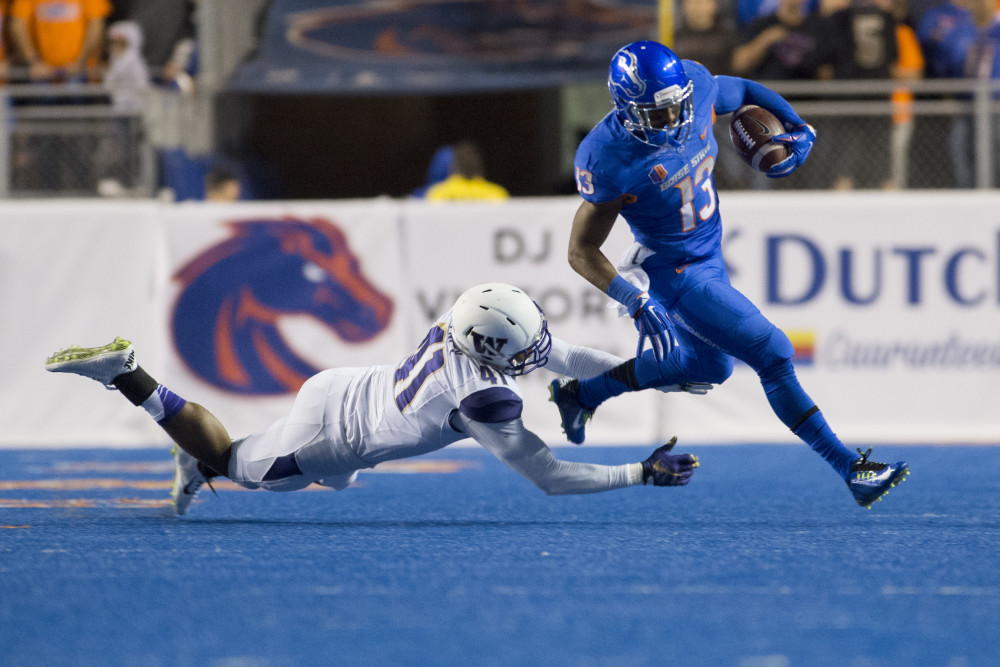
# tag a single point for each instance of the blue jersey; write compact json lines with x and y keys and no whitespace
{"x":673,"y":207}
{"x":944,"y":33}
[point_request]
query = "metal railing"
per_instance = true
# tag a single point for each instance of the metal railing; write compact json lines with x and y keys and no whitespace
{"x":67,"y":140}
{"x":944,"y":136}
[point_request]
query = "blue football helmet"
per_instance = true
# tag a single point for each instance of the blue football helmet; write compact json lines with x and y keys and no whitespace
{"x":652,"y":94}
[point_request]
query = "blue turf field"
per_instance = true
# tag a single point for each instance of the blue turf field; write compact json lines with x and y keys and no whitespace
{"x":763,"y":560}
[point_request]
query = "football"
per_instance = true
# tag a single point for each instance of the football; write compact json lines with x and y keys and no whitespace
{"x":751,"y":131}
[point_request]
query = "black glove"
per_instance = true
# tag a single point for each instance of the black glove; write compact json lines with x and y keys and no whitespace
{"x":666,"y":469}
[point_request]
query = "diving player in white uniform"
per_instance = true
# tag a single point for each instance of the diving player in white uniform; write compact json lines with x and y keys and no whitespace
{"x":458,"y":383}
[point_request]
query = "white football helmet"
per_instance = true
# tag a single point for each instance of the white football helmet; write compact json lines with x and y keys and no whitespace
{"x":500,"y":326}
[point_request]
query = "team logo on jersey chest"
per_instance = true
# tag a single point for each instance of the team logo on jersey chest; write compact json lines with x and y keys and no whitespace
{"x":658,"y":173}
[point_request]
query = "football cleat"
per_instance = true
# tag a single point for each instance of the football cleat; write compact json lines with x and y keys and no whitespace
{"x":103,"y":363}
{"x":574,"y":416}
{"x":189,"y":477}
{"x":870,"y":480}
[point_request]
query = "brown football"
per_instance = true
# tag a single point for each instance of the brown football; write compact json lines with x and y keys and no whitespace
{"x":751,"y":131}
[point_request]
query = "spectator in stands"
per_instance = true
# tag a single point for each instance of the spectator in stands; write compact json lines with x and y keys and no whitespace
{"x":786,"y":44}
{"x":222,"y":185}
{"x":468,"y":179}
{"x":4,"y":43}
{"x":939,"y":31}
{"x":977,"y":49}
{"x":748,"y":11}
{"x":860,"y":43}
{"x":978,"y":52}
{"x":127,"y":76}
{"x":783,"y":45}
{"x":909,"y":66}
{"x":863,"y":36}
{"x":438,"y":170}
{"x":170,"y":45}
{"x":127,"y":79}
{"x":703,"y":34}
{"x":58,"y":39}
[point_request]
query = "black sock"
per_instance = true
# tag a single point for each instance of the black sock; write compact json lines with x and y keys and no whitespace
{"x":208,"y":473}
{"x":136,"y":386}
{"x":614,"y":382}
{"x":625,"y":373}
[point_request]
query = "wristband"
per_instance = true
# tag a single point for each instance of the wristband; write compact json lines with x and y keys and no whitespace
{"x":623,"y":291}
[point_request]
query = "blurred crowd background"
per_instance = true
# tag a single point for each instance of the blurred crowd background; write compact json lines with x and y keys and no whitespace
{"x":311,"y":99}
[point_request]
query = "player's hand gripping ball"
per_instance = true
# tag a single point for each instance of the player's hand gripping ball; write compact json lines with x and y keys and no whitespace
{"x":751,"y":131}
{"x":799,"y":140}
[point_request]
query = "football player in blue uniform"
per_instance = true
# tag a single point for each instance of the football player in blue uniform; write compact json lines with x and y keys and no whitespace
{"x":650,"y":160}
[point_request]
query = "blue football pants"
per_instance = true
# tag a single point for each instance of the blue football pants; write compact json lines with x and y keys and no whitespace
{"x":714,"y":322}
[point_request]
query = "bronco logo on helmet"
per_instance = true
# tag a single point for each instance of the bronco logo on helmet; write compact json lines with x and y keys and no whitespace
{"x":625,"y":75}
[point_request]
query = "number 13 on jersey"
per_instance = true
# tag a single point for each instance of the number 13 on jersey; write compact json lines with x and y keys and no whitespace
{"x":703,"y":180}
{"x":687,"y":187}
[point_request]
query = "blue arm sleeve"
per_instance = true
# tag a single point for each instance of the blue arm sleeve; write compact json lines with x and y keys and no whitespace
{"x":734,"y":92}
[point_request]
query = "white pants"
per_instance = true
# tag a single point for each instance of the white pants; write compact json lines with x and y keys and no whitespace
{"x":304,"y":447}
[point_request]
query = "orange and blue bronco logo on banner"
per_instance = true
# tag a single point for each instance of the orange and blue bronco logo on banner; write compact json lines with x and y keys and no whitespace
{"x":233,"y":295}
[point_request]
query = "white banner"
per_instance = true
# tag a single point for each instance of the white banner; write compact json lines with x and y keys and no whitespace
{"x":524,"y":243}
{"x":260,"y":297}
{"x":80,"y":273}
{"x":892,"y":302}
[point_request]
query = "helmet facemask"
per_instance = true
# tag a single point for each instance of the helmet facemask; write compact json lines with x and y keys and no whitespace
{"x":667,"y":121}
{"x":535,"y":356}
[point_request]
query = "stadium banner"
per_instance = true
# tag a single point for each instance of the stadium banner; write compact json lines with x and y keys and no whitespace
{"x":891,"y":300}
{"x":524,"y":243}
{"x":438,"y":46}
{"x":75,"y":272}
{"x":261,"y":297}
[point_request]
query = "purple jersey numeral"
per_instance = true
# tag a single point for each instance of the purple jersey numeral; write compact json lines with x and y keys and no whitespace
{"x":415,"y":369}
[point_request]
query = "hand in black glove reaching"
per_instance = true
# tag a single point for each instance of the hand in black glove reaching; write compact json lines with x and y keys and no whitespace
{"x":666,"y":469}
